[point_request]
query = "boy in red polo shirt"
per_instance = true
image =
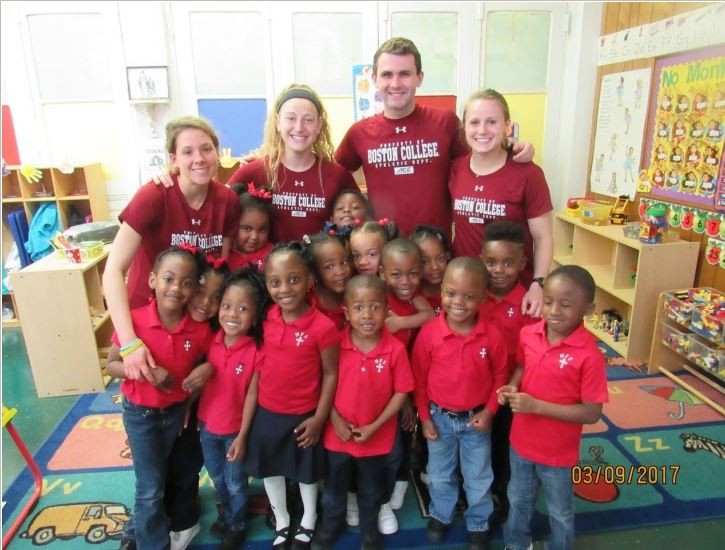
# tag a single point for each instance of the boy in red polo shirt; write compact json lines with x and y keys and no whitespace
{"x":503,"y":255}
{"x":560,"y":385}
{"x":373,"y":380}
{"x":459,"y":359}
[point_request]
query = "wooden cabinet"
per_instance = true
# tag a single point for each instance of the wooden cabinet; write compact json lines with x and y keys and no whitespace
{"x":629,"y":275}
{"x":83,"y":190}
{"x":66,"y":325}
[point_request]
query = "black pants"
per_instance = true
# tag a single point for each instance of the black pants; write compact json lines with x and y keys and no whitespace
{"x":500,"y":430}
{"x":181,"y":497}
{"x":368,"y":472}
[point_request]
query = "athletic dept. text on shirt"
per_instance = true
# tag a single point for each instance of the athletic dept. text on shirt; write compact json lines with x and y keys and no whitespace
{"x":299,"y":204}
{"x":205,"y":241}
{"x":403,"y":155}
{"x":478,"y":210}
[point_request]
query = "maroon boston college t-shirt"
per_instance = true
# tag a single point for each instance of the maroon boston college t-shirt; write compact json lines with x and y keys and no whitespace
{"x":406,"y":163}
{"x":303,"y":202}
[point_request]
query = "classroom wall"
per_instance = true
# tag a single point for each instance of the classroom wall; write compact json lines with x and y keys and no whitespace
{"x":619,"y":16}
{"x":104,"y":126}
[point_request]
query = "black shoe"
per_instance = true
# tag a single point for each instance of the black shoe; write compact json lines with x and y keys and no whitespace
{"x":127,"y":544}
{"x":436,"y":530}
{"x":284,"y":533}
{"x":220,"y":527}
{"x":298,"y":544}
{"x":372,"y":541}
{"x":325,"y":540}
{"x":477,"y":540}
{"x":233,"y":540}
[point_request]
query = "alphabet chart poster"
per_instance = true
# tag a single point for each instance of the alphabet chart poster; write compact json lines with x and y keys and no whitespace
{"x":686,"y":143}
{"x":620,"y":132}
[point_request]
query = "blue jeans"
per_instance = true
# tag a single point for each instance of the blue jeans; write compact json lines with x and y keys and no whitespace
{"x":230,"y":479}
{"x":526,"y":476}
{"x":151,"y":433}
{"x":456,"y":439}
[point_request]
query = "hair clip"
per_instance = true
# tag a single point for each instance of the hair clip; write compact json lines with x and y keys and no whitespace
{"x":383,"y":221}
{"x":189,"y":248}
{"x":306,"y":239}
{"x":259,"y":192}
{"x":332,"y":232}
{"x":216,"y":263}
{"x":202,"y":280}
{"x":357,"y":222}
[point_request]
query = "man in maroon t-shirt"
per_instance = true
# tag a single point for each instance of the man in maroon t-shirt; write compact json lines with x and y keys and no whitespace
{"x":406,"y":150}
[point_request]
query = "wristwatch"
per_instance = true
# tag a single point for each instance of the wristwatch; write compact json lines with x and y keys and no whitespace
{"x":539,"y":281}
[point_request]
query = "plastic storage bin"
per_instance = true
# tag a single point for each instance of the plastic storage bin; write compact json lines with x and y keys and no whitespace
{"x":678,"y":307}
{"x":675,"y":339}
{"x":595,"y":212}
{"x":705,"y":354}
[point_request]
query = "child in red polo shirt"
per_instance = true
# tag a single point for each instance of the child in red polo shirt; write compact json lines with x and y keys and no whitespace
{"x":252,"y":245}
{"x":153,"y":413}
{"x":296,"y":387}
{"x":559,"y":385}
{"x":503,"y":256}
{"x":373,"y":380}
{"x":459,"y":360}
{"x":229,"y":398}
{"x":332,"y":272}
{"x":435,"y":251}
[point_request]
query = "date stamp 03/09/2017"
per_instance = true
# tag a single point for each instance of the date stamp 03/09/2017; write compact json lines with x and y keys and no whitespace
{"x":625,"y":475}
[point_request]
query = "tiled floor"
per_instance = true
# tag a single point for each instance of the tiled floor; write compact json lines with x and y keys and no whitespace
{"x":37,"y":418}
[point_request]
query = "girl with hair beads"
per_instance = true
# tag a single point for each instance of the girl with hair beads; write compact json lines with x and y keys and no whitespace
{"x":350,"y":208}
{"x":153,"y":412}
{"x":332,"y":272}
{"x":297,"y":164}
{"x":296,"y":387}
{"x":366,"y":244}
{"x":228,"y":400}
{"x":252,"y":244}
{"x":435,"y":251}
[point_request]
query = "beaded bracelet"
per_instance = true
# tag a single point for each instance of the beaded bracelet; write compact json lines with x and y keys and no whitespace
{"x":129,"y":348}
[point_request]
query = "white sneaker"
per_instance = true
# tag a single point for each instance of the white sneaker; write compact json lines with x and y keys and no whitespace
{"x":352,"y":517}
{"x":387,"y":522}
{"x":181,"y":539}
{"x":425,"y":478}
{"x":396,"y":501}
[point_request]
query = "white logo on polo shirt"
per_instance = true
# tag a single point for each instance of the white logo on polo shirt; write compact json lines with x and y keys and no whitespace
{"x":564,"y":360}
{"x":401,"y":130}
{"x":299,"y":183}
{"x":300,"y":337}
{"x":239,"y":369}
{"x":187,"y":345}
{"x":195,"y":222}
{"x":483,"y":353}
{"x":510,"y":312}
{"x":478,"y":187}
{"x":380,"y":365}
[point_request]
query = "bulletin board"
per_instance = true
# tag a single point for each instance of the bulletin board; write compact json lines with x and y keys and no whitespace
{"x":685,"y":143}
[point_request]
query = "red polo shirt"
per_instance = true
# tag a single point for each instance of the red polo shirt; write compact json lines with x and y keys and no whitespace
{"x":570,"y":371}
{"x":258,"y":259}
{"x":365,"y":384}
{"x":222,"y":400}
{"x":176,"y":350}
{"x":403,"y":308}
{"x":458,"y":372}
{"x":336,"y":315}
{"x":289,"y":382}
{"x":506,"y":314}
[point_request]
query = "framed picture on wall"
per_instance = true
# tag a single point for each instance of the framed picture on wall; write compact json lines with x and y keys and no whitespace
{"x":148,"y":84}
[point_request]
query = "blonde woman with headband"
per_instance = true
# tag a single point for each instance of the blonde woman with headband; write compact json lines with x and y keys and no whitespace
{"x":297,"y":165}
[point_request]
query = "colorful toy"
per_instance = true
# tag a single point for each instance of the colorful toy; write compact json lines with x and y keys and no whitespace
{"x":618,"y":215}
{"x":654,"y":225}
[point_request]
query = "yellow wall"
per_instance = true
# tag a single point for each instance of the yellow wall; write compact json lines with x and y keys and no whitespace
{"x":529,"y":110}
